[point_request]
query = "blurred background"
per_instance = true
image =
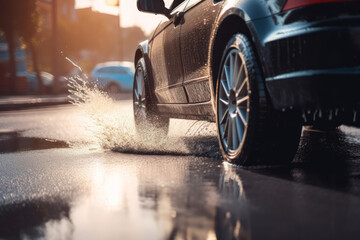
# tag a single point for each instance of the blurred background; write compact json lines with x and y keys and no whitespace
{"x":36,"y":37}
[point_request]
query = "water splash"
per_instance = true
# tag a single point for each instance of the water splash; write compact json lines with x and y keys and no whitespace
{"x":111,"y":124}
{"x":74,"y":64}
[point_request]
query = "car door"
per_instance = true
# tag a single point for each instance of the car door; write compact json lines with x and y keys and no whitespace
{"x":166,"y":59}
{"x":199,"y":18}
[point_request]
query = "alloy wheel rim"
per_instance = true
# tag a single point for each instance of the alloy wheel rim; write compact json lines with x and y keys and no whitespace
{"x":233,"y":101}
{"x":139,"y":94}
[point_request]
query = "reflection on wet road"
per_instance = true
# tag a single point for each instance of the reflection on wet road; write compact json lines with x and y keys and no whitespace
{"x":84,"y":192}
{"x":13,"y":142}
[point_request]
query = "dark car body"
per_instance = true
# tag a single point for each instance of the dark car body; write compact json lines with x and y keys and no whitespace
{"x":309,"y":55}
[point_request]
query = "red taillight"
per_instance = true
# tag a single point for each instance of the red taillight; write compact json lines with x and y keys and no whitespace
{"x":300,"y":3}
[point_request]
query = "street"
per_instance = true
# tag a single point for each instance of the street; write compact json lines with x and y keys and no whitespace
{"x":96,"y":141}
{"x":80,"y":172}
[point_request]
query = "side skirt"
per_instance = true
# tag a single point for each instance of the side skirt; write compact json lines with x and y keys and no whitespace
{"x":194,"y":111}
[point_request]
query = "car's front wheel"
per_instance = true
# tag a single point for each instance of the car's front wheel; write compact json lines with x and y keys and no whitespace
{"x":248,"y":131}
{"x":149,"y":124}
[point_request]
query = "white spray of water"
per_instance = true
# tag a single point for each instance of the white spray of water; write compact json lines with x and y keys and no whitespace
{"x":112,"y":124}
{"x":74,"y":64}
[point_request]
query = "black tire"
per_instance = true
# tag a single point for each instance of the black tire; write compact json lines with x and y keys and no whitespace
{"x":149,"y":124}
{"x":113,"y":88}
{"x":249,"y":132}
{"x":327,"y":126}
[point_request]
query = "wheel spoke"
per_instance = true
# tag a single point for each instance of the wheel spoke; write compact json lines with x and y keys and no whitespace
{"x":235,"y":135}
{"x":243,"y":119}
{"x":242,"y":100}
{"x":231,"y":71}
{"x":138,"y":84}
{"x":226,"y":126}
{"x":240,"y":128}
{"x":226,"y":89}
{"x":236,"y":71}
{"x":140,"y":98}
{"x":229,"y":134}
{"x":241,"y":88}
{"x":225,"y":102}
{"x":137,"y":94}
{"x":227,"y":75}
{"x":142,"y":86}
{"x":225,"y":116}
{"x":239,"y":76}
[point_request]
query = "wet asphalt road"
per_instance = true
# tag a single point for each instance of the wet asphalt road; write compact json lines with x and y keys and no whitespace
{"x":57,"y":182}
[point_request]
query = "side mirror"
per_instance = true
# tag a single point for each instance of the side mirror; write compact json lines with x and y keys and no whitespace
{"x":153,"y":6}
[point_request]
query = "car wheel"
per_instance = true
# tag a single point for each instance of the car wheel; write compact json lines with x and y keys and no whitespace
{"x":113,"y":89}
{"x":147,"y":121}
{"x":249,"y":132}
{"x":324,"y":127}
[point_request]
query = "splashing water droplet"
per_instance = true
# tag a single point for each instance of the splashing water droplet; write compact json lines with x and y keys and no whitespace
{"x":75,"y":65}
{"x":112,"y":126}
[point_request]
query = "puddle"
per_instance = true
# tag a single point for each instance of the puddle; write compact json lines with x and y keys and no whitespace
{"x":26,"y":215}
{"x":13,"y":142}
{"x":169,"y":198}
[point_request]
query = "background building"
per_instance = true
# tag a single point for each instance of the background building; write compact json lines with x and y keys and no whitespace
{"x":85,"y":35}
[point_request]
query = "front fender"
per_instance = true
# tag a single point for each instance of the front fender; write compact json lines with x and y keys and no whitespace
{"x":143,"y":51}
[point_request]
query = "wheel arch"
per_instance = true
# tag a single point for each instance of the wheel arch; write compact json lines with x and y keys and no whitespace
{"x":231,"y":23}
{"x":142,"y":51}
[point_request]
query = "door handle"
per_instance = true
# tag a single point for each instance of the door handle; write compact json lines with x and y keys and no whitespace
{"x":178,"y":18}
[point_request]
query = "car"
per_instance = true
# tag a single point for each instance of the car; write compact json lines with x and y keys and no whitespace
{"x":46,"y":78}
{"x":114,"y":76}
{"x":260,"y":69}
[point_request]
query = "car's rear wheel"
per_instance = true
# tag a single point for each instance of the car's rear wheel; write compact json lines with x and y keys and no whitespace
{"x":149,"y":124}
{"x":248,"y":131}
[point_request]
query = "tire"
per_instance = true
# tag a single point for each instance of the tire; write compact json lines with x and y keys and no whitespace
{"x":249,"y":132}
{"x":328,"y":126}
{"x":113,"y":90}
{"x":148,"y":123}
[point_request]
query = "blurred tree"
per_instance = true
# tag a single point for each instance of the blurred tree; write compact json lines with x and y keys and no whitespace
{"x":20,"y":19}
{"x":8,"y":26}
{"x":29,"y":27}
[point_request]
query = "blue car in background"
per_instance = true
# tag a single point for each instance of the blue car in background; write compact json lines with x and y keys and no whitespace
{"x":33,"y":86}
{"x":114,"y":77}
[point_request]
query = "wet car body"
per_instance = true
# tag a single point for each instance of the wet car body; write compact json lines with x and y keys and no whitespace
{"x":309,"y":55}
